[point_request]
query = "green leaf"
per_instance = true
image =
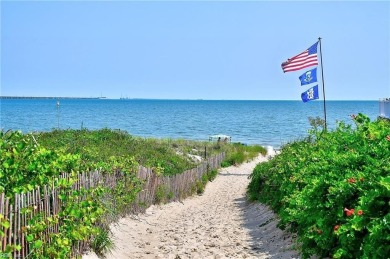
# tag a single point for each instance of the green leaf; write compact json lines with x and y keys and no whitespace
{"x":30,"y":238}
{"x":38,"y":244}
{"x":385,"y":182}
{"x":5,"y":224}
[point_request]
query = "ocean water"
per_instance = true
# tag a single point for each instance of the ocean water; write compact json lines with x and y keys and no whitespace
{"x":252,"y":122}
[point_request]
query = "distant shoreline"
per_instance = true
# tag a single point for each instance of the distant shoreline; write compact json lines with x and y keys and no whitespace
{"x":48,"y":97}
{"x":164,"y":99}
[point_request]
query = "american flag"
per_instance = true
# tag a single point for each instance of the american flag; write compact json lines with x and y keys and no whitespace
{"x":307,"y":58}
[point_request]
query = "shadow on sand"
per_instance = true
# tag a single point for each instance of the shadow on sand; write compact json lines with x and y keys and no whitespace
{"x":266,"y":237}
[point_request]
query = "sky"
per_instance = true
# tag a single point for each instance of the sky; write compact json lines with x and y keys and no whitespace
{"x":213,"y":50}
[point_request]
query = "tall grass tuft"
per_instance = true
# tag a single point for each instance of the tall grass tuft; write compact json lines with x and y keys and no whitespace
{"x":238,"y":154}
{"x":102,"y":244}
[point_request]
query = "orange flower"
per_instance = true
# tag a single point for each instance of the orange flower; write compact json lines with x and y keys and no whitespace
{"x":352,"y":180}
{"x":349,"y":212}
{"x":335,"y":228}
{"x":360,"y":212}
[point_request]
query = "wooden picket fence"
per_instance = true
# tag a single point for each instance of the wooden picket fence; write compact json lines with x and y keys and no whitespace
{"x":45,"y":201}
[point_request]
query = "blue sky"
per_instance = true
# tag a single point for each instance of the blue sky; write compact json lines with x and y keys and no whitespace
{"x":192,"y":50}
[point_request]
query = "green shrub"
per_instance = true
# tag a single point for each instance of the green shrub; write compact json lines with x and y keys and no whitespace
{"x":333,"y":189}
{"x":26,"y":165}
{"x":170,"y":195}
{"x":205,"y":179}
{"x":194,"y":188}
{"x":102,"y":243}
{"x":225,"y":164}
{"x":99,"y":146}
{"x":161,"y":194}
{"x":199,"y":187}
{"x":236,"y":158}
{"x":237,"y":153}
{"x":31,"y":160}
{"x":212,"y":175}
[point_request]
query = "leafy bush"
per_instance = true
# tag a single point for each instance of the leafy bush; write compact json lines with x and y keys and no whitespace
{"x":31,"y":160}
{"x":238,"y":153}
{"x":167,"y":155}
{"x":212,"y":175}
{"x":80,"y":220}
{"x":333,"y":189}
{"x":99,"y":146}
{"x":25,"y":165}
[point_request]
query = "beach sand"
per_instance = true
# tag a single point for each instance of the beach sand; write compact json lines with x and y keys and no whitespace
{"x":221,"y":223}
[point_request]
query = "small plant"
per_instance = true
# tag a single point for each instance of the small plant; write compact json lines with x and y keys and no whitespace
{"x":225,"y":164}
{"x":212,"y":175}
{"x":199,"y":187}
{"x":205,"y":179}
{"x":102,"y":244}
{"x":161,"y":194}
{"x":170,"y":195}
{"x":192,"y":191}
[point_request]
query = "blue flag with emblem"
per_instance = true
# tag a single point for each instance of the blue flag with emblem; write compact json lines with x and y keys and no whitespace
{"x":310,"y":94}
{"x":309,"y":77}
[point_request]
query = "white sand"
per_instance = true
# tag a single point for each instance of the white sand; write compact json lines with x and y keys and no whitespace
{"x":219,"y":224}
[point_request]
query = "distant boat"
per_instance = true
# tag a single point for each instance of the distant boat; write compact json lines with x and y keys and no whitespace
{"x":58,"y":103}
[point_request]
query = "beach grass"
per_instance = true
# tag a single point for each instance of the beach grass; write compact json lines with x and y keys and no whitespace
{"x":171,"y":156}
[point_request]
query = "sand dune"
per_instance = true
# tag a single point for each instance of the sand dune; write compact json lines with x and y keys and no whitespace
{"x":221,"y":223}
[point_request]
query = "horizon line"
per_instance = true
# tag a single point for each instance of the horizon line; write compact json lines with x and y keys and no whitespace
{"x":165,"y":99}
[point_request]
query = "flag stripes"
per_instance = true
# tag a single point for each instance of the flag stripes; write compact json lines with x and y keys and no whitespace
{"x":300,"y":61}
{"x":305,"y":59}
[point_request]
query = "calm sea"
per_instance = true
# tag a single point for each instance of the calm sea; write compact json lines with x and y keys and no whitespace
{"x":251,"y":122}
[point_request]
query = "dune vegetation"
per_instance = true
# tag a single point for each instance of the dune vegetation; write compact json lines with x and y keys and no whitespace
{"x":33,"y":160}
{"x":332,"y":189}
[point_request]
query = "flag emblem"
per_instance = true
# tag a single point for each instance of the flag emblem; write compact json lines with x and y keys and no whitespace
{"x":307,"y":58}
{"x":310,"y":94}
{"x":309,"y":77}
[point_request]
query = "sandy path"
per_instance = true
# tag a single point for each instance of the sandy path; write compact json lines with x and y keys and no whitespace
{"x":218,"y":224}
